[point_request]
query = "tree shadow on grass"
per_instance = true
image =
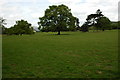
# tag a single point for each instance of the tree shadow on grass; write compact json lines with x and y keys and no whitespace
{"x":60,"y":34}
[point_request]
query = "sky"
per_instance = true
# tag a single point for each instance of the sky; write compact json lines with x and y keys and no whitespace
{"x":31,"y":10}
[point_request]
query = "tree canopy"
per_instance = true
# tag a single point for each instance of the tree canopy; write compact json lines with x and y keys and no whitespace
{"x":97,"y":20}
{"x":58,"y":18}
{"x":21,"y":27}
{"x":103,"y":23}
{"x":92,"y":19}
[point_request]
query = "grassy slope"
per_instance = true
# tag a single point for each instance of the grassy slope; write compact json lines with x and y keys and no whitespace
{"x":72,"y":55}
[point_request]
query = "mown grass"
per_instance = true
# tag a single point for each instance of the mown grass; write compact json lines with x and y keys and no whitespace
{"x":70,"y":55}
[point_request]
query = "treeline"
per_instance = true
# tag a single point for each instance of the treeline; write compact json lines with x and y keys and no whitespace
{"x":97,"y":22}
{"x":59,"y":18}
{"x":21,"y":27}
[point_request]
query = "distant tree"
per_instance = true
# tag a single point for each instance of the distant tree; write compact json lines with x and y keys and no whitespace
{"x":104,"y":23}
{"x":2,"y":21}
{"x":2,"y":25}
{"x":92,"y":19}
{"x":77,"y":27}
{"x":58,"y":18}
{"x":85,"y":27}
{"x":21,"y":27}
{"x":96,"y":21}
{"x":115,"y":25}
{"x":118,"y":25}
{"x":9,"y":31}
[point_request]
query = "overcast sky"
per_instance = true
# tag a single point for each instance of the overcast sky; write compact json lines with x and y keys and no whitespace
{"x":31,"y":10}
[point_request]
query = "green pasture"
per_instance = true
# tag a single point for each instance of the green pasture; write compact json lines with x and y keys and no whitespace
{"x":69,"y":55}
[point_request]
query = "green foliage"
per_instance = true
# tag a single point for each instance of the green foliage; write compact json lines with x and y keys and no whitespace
{"x":97,"y":21}
{"x":58,"y":18}
{"x":85,"y":27}
{"x":2,"y":25}
{"x":115,"y":25}
{"x":93,"y":18}
{"x":9,"y":31}
{"x":104,"y":23}
{"x":118,"y":25}
{"x":21,"y":27}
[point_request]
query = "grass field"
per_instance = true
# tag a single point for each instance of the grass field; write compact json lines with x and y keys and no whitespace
{"x":70,"y":55}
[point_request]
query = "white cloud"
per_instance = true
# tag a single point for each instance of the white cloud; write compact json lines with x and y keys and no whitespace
{"x":31,"y":10}
{"x":82,"y":8}
{"x":65,"y":1}
{"x":14,"y":10}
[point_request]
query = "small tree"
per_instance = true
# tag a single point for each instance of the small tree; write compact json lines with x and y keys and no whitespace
{"x":85,"y":27}
{"x":57,"y":18}
{"x":21,"y":27}
{"x":2,"y":25}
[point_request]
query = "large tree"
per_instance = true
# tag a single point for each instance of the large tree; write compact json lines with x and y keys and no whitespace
{"x":58,"y":18}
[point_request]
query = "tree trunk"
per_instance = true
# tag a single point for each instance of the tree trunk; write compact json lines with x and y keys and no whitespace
{"x":58,"y":32}
{"x":103,"y":29}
